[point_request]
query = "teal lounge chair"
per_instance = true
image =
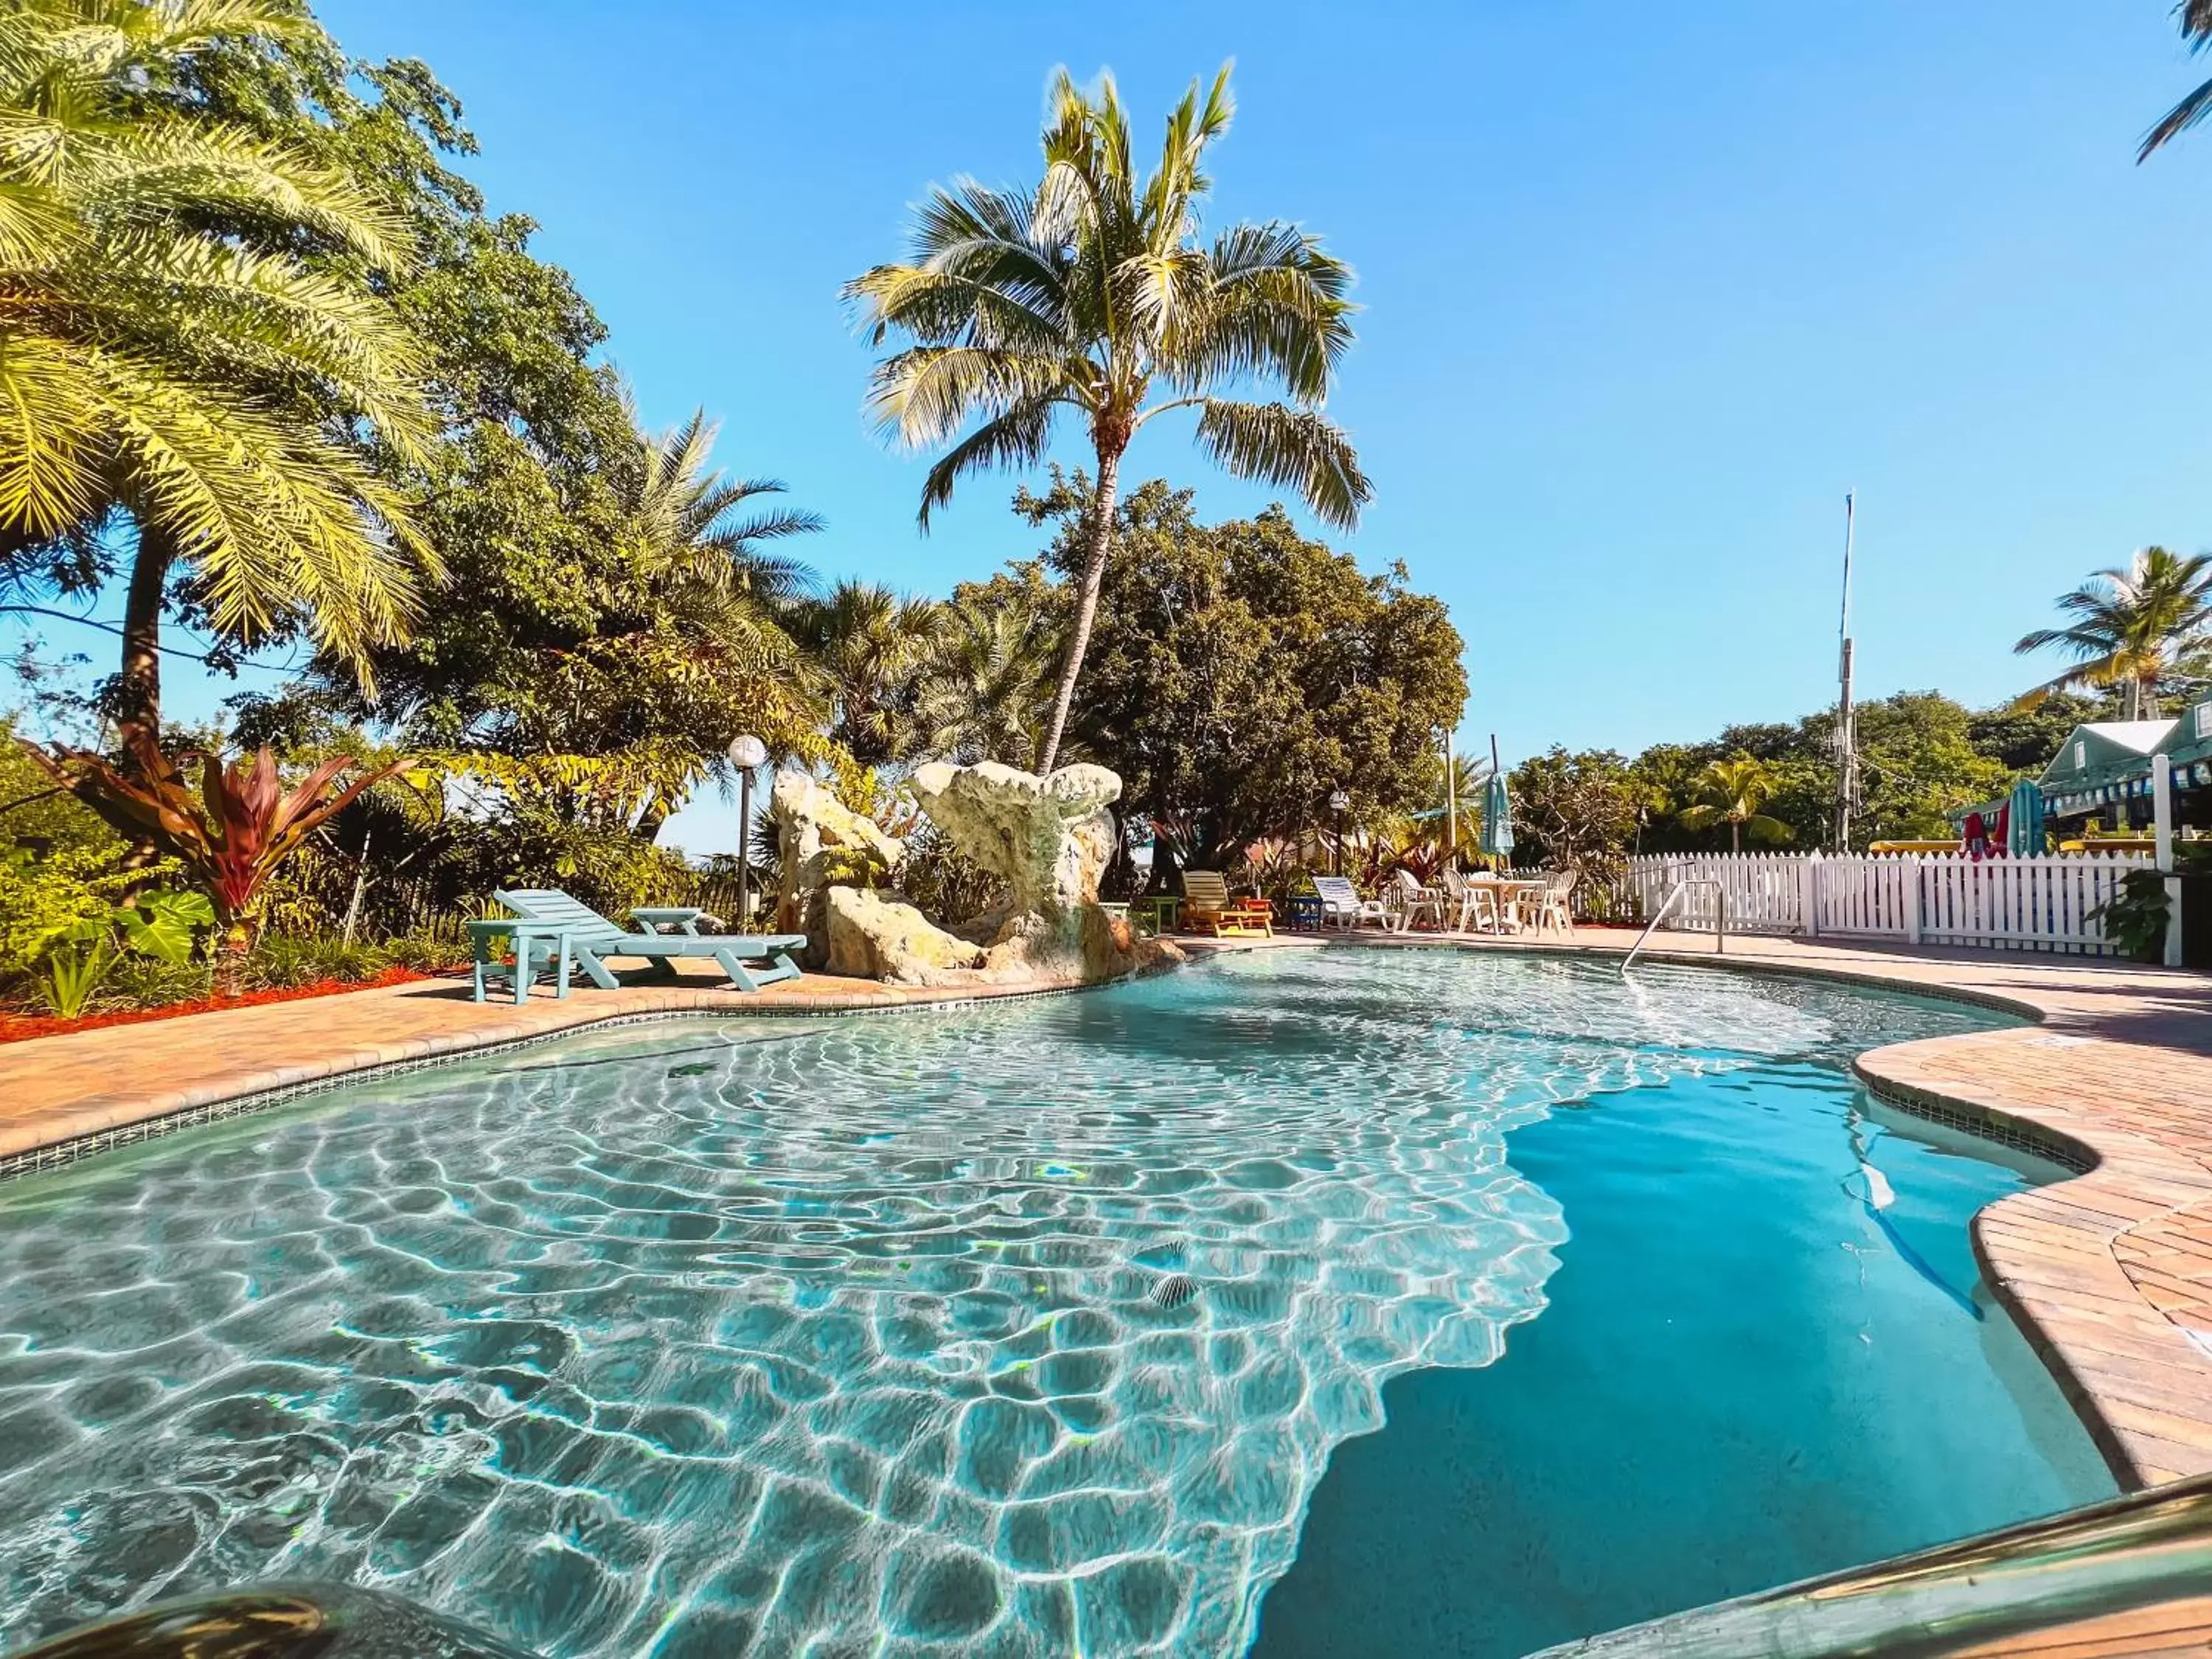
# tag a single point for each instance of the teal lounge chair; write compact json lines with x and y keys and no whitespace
{"x":594,"y":939}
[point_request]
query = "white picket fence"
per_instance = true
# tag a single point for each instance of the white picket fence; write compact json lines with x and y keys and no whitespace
{"x":2018,"y":904}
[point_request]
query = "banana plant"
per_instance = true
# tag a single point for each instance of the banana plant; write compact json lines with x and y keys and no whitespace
{"x":231,"y":835}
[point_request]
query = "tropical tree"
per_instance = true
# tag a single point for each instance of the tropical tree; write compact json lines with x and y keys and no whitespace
{"x":2130,"y":627}
{"x":697,"y":526}
{"x":1092,"y":294}
{"x":623,"y":623}
{"x":1731,"y":792}
{"x":171,"y":357}
{"x":987,"y":692}
{"x":2195,"y":17}
{"x":1575,"y":810}
{"x":1456,"y":795}
{"x":866,"y":646}
{"x":1244,"y":670}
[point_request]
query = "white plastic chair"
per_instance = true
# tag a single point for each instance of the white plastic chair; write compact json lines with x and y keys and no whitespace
{"x":1340,"y":903}
{"x":1415,"y":901}
{"x":1550,"y":906}
{"x":1478,"y":908}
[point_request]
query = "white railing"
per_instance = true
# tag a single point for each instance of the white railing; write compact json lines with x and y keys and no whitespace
{"x":2018,"y":904}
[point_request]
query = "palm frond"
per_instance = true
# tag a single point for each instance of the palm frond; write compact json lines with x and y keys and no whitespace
{"x":1019,"y":437}
{"x":923,"y":395}
{"x":2196,"y":20}
{"x":1295,"y":447}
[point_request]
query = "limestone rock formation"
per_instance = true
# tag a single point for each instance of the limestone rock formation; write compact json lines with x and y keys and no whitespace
{"x":820,"y":841}
{"x":870,"y":934}
{"x":1049,"y":837}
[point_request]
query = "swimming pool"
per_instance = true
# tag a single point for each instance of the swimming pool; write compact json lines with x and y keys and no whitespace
{"x":1034,"y":1328}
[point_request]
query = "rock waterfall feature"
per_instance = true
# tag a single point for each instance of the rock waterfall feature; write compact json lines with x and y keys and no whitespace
{"x":1049,"y":838}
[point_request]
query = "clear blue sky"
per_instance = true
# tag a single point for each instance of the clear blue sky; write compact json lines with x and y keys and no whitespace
{"x":1647,"y":287}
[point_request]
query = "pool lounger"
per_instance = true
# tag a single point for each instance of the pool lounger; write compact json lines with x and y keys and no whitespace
{"x":595,"y":940}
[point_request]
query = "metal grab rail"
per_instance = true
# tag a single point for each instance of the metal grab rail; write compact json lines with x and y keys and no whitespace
{"x":1720,"y":934}
{"x":2056,"y":1579}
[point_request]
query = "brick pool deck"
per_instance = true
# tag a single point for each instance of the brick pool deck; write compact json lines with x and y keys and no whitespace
{"x":2110,"y":1273}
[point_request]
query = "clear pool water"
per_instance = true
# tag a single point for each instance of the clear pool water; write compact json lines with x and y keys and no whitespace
{"x":1035,"y":1329}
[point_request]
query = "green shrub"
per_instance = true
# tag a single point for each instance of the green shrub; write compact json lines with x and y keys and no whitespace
{"x":280,"y":963}
{"x":2134,"y":918}
{"x":944,"y":883}
{"x":149,"y":982}
{"x":69,"y":974}
{"x":431,"y":949}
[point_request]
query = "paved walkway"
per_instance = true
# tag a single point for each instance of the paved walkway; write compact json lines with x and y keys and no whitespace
{"x":2110,"y":1273}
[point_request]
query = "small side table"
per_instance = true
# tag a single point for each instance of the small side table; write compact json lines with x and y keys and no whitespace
{"x":1306,"y":913}
{"x":684,"y":918}
{"x":537,"y":945}
{"x":1164,"y":909}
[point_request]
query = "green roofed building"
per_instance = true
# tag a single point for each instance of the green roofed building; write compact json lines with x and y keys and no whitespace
{"x":2104,"y":764}
{"x":2191,"y":746}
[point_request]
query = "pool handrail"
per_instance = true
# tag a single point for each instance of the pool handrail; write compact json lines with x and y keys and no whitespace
{"x":2125,"y":1556}
{"x":1720,"y":927}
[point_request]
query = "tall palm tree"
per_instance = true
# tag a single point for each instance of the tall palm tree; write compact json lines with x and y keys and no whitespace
{"x":167,"y":354}
{"x":2131,"y":626}
{"x":2195,"y":19}
{"x":1731,"y":792}
{"x":987,"y":692}
{"x":1090,"y":294}
{"x":868,"y":644}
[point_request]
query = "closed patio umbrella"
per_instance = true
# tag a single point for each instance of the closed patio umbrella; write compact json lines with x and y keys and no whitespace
{"x":2024,"y":825}
{"x":1497,"y":817}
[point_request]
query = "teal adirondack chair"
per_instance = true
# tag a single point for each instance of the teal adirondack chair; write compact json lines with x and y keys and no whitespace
{"x":595,"y":939}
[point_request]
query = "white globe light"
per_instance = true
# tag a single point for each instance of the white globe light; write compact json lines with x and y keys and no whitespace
{"x":748,"y":752}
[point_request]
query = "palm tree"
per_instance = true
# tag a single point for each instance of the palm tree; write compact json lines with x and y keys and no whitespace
{"x":988,"y":690}
{"x":709,"y":609}
{"x":2130,"y":627}
{"x":1088,"y":293}
{"x":694,"y":523}
{"x":2196,"y":17}
{"x":1731,"y":792}
{"x":868,"y":644}
{"x":168,"y":355}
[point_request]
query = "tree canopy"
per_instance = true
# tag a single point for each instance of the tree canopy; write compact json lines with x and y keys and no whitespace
{"x":1242,"y":670}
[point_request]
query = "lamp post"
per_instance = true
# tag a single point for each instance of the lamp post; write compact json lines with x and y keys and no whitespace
{"x":747,"y":753}
{"x":1340,"y":802}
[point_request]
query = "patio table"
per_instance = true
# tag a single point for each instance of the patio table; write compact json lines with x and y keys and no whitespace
{"x":537,"y":945}
{"x":1161,"y":910}
{"x":1505,"y":893}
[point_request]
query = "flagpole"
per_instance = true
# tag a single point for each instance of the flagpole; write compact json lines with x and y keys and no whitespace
{"x":1846,"y":740}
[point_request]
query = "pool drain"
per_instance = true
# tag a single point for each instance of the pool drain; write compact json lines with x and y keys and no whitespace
{"x":1175,"y":1290}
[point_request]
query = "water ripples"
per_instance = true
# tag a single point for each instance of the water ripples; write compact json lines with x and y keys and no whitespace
{"x":1014,"y":1330}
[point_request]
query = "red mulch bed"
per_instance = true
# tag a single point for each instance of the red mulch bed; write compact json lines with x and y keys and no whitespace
{"x":20,"y":1028}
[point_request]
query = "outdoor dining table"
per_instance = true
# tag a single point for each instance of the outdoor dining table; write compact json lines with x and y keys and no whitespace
{"x":1505,"y":892}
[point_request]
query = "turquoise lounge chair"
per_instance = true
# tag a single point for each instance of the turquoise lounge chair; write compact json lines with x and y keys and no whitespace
{"x":594,"y":939}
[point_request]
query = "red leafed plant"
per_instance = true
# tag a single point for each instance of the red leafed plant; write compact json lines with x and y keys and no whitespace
{"x":232,"y":836}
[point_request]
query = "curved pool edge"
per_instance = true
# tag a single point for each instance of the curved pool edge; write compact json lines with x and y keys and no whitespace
{"x":2076,"y":1263}
{"x":2088,"y":1267}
